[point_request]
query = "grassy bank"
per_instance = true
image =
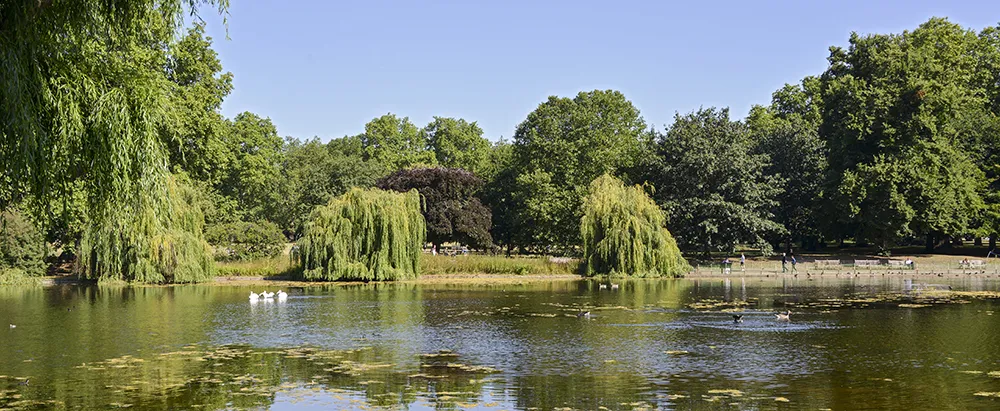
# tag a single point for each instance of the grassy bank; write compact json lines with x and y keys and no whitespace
{"x":280,"y":266}
{"x":496,"y":265}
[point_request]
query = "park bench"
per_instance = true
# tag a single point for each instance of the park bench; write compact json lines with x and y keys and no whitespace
{"x":866,"y":263}
{"x":827,"y":263}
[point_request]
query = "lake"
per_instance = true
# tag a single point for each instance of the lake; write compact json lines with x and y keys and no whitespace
{"x":850,"y":343}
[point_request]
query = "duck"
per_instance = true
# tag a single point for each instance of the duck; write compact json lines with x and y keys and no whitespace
{"x":737,"y":318}
{"x":603,"y":286}
{"x":282,"y":295}
{"x":614,"y":286}
{"x":583,"y":314}
{"x":783,"y":316}
{"x":13,"y":326}
{"x":254,"y":296}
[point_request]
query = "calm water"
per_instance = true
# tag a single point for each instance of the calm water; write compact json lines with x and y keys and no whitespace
{"x":434,"y":346}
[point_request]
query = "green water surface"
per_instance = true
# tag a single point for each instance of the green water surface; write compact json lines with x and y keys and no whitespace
{"x":655,"y":344}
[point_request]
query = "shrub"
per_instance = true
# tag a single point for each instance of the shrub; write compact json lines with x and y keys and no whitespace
{"x":244,"y":241}
{"x":22,"y":247}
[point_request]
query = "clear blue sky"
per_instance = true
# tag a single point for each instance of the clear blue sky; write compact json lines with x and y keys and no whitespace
{"x":325,"y":68}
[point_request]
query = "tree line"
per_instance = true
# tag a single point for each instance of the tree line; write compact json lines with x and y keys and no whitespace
{"x":117,"y":152}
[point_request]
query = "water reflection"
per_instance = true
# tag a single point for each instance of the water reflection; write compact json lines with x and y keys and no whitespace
{"x":649,"y":344}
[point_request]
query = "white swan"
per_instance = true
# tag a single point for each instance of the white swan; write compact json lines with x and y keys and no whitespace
{"x":267,"y":295}
{"x":282,"y":295}
{"x":254,"y":296}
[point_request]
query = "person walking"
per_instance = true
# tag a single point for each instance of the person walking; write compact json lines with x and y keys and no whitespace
{"x":784,"y":263}
{"x":794,"y":270}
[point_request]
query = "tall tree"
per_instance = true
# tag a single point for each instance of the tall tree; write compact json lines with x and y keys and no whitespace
{"x":82,"y":96}
{"x":313,"y":173}
{"x":451,"y":209}
{"x":458,"y":144}
{"x":712,"y":185}
{"x":364,"y":235}
{"x":624,"y":233}
{"x":561,"y":147}
{"x":253,"y":177}
{"x":395,"y":143}
{"x":787,"y":131}
{"x":897,"y":98}
{"x":194,"y":130}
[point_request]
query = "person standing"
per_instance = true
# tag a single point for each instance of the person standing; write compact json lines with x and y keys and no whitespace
{"x":743,"y":262}
{"x":784,"y":263}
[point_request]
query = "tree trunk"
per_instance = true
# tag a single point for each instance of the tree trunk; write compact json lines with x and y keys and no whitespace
{"x":978,"y":242}
{"x":993,"y":241}
{"x":929,"y":245}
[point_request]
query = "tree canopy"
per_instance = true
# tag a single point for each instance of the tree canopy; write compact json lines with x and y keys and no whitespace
{"x":561,"y":147}
{"x":898,"y":102}
{"x":451,"y":209}
{"x":364,"y":235}
{"x":624,"y":233}
{"x":712,"y":185}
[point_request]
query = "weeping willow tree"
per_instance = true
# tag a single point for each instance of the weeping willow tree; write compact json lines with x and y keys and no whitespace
{"x":364,"y":235}
{"x":164,"y":244}
{"x":624,"y":233}
{"x":82,"y":91}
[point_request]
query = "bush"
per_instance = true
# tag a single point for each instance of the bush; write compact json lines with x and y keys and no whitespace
{"x":244,"y":241}
{"x":22,"y":247}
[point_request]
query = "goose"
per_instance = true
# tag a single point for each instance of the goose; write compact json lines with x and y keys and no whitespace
{"x":282,"y":295}
{"x":254,"y":296}
{"x":737,"y":318}
{"x":583,"y":314}
{"x":614,"y":286}
{"x":783,"y":316}
{"x":603,"y":286}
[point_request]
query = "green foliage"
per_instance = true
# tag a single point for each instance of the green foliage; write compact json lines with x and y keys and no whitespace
{"x":242,"y":241}
{"x":787,"y":132}
{"x":277,"y":266}
{"x":194,"y":129}
{"x":253,"y":178}
{"x":396,"y":143}
{"x":624,"y":233}
{"x":558,"y":150}
{"x":451,"y":210}
{"x":22,"y":247}
{"x":313,"y":173}
{"x":364,"y":235}
{"x":164,"y":244}
{"x":458,"y":144}
{"x":496,"y":265}
{"x":712,"y":185}
{"x":81,"y":101}
{"x":917,"y":192}
{"x":903,"y":103}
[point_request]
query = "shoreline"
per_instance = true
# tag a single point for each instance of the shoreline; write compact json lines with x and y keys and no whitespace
{"x":506,"y":279}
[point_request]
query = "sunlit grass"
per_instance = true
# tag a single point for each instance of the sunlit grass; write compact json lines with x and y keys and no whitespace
{"x":496,"y":265}
{"x":268,"y":267}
